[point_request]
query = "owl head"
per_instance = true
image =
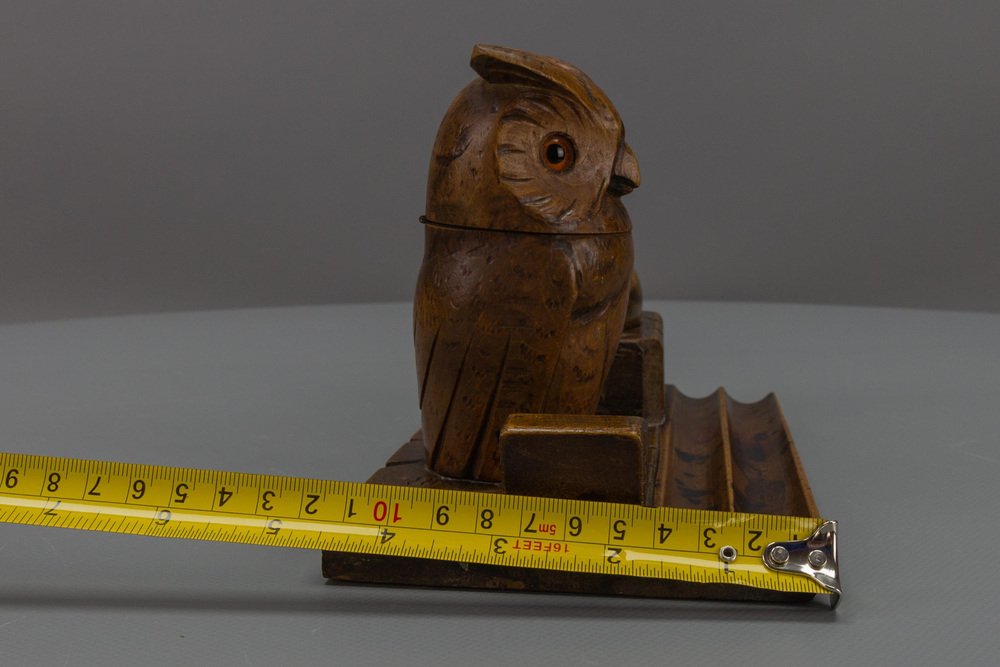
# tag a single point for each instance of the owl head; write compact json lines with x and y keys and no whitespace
{"x":533,"y":146}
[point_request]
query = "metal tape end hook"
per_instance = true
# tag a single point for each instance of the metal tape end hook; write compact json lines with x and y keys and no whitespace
{"x":814,"y":557}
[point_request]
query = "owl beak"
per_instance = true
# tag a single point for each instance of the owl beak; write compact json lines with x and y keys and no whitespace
{"x":625,"y":177}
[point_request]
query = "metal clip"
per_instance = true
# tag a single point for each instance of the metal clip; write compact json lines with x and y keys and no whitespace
{"x":814,"y":557}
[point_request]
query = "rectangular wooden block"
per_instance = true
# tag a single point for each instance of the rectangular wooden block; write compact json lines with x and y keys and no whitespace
{"x":585,"y":457}
{"x":635,"y":382}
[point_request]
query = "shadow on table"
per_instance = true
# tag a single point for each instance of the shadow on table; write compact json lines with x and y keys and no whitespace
{"x":360,"y":600}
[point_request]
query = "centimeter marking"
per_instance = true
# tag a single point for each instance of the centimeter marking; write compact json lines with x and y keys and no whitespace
{"x":471,"y":527}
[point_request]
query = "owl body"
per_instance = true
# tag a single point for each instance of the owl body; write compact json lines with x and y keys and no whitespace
{"x":524,"y":286}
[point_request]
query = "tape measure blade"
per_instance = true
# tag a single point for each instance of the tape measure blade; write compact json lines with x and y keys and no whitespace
{"x":393,"y":521}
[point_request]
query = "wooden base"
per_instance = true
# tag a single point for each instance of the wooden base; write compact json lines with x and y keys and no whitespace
{"x":707,"y":453}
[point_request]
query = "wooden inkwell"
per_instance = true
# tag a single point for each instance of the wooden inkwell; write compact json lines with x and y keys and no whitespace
{"x":538,"y":371}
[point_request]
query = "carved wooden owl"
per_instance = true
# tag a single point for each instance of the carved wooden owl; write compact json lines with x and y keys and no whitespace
{"x":524,"y":286}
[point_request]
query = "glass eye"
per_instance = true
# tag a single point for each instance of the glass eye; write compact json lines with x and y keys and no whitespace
{"x":558,"y":152}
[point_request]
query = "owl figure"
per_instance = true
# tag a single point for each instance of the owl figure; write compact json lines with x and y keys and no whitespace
{"x":524,"y":288}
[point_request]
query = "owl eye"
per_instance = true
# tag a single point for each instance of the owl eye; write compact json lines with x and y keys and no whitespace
{"x":558,"y":152}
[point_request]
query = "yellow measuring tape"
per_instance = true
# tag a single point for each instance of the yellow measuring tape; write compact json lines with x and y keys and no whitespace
{"x":761,"y":551}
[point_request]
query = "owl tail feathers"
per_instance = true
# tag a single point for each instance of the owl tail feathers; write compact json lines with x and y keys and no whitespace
{"x":633,"y":317}
{"x":464,"y":442}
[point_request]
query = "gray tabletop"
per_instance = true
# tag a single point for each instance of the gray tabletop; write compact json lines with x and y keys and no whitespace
{"x":894,"y":411}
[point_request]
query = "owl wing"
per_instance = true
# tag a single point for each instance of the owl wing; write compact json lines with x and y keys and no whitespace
{"x":491,"y":322}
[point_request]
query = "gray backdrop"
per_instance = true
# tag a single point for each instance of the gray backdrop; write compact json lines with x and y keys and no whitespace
{"x":177,"y":155}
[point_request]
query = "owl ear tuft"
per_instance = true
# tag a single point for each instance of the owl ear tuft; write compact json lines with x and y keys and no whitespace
{"x":500,"y":64}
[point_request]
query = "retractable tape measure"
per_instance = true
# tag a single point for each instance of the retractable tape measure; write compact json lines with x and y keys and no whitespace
{"x":778,"y":553}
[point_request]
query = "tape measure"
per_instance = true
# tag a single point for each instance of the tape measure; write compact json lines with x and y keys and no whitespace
{"x":779,"y":553}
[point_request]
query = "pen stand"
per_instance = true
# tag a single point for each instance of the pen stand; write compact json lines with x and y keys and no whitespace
{"x":650,"y":445}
